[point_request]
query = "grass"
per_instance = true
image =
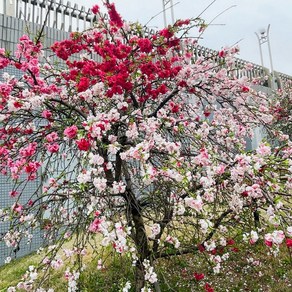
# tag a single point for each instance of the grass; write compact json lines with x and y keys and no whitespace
{"x":12,"y":272}
{"x":252,"y":269}
{"x":255,"y":269}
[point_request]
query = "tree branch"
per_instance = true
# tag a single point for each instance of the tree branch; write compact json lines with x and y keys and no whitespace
{"x":163,"y":103}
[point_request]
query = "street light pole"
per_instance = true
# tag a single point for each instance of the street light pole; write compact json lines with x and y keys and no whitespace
{"x":264,"y":37}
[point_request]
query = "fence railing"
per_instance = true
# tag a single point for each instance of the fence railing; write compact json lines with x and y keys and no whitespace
{"x":62,"y":16}
{"x":59,"y":14}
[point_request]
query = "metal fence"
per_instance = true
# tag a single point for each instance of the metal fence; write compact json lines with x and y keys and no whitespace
{"x":27,"y":17}
{"x":58,"y":14}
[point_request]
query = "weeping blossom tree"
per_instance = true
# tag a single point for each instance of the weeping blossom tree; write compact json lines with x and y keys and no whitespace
{"x":139,"y":146}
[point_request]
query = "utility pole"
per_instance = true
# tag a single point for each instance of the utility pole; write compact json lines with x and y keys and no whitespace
{"x":167,"y":5}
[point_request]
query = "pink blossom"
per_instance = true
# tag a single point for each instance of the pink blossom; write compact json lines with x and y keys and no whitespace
{"x":96,"y":225}
{"x":118,"y":187}
{"x":278,"y":236}
{"x":202,"y":158}
{"x":254,"y":191}
{"x":13,"y":194}
{"x":289,"y":231}
{"x":155,"y":230}
{"x":52,"y":137}
{"x":95,"y":159}
{"x":47,"y":114}
{"x":263,"y":150}
{"x":29,"y":150}
{"x":53,"y":148}
{"x":172,"y":240}
{"x":100,"y":183}
{"x":196,"y":204}
{"x":253,"y":237}
{"x":17,"y":208}
{"x":71,"y":132}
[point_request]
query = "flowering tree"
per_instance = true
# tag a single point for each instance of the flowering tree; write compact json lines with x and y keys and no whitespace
{"x":281,"y":104}
{"x":139,"y":145}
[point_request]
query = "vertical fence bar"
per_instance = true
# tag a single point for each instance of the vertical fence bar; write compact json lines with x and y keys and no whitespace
{"x":42,"y":10}
{"x":25,"y":11}
{"x":62,"y":16}
{"x":76,"y":16}
{"x":70,"y":15}
{"x":33,"y":11}
{"x":28,"y":4}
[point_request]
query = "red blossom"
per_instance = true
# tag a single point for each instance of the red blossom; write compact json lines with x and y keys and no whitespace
{"x":268,"y":243}
{"x":207,"y":114}
{"x":95,"y":9}
{"x":115,"y":17}
{"x":32,"y":167}
{"x":208,"y":288}
{"x":174,"y":107}
{"x":245,"y":89}
{"x":145,"y":45}
{"x":244,"y":194}
{"x":83,"y":84}
{"x":201,"y":247}
{"x":289,"y":242}
{"x":3,"y":61}
{"x":83,"y":144}
{"x":13,"y":194}
{"x":221,"y":54}
{"x":198,"y":276}
{"x":180,"y":22}
{"x":166,"y":32}
{"x":230,"y":241}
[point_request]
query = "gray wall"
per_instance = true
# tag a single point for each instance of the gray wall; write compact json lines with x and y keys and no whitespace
{"x":11,"y":29}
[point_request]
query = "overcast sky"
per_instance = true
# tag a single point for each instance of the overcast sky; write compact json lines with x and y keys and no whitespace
{"x":236,"y":24}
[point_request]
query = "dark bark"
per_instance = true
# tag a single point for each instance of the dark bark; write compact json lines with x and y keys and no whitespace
{"x":163,"y":103}
{"x":256,"y":216}
{"x":139,"y":231}
{"x":142,"y":246}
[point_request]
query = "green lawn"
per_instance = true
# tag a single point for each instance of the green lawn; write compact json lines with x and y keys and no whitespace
{"x":255,"y":269}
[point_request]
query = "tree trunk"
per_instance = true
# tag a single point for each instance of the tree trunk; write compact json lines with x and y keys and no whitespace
{"x":142,"y":249}
{"x":139,"y":231}
{"x":139,"y":277}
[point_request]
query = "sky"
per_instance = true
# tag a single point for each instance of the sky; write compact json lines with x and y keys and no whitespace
{"x":238,"y":23}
